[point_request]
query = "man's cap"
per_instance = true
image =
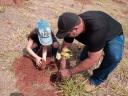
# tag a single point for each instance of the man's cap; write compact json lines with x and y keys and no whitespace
{"x":44,"y":32}
{"x":66,"y":22}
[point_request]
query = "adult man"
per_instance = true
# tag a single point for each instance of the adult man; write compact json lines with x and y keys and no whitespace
{"x":99,"y":32}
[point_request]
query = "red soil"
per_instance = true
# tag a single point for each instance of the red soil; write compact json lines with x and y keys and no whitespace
{"x":11,"y":2}
{"x":31,"y":81}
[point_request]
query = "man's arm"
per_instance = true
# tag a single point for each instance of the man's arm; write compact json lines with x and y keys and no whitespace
{"x":93,"y":58}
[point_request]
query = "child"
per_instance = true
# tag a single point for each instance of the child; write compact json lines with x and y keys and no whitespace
{"x":39,"y":40}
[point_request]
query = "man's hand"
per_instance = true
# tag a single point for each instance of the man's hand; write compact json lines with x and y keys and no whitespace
{"x":65,"y":73}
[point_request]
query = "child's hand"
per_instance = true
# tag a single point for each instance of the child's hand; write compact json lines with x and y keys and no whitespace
{"x":39,"y":61}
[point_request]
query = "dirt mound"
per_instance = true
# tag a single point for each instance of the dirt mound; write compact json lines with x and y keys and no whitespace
{"x":11,"y":2}
{"x":31,"y":81}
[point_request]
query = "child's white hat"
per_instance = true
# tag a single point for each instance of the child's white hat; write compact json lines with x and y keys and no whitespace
{"x":44,"y":32}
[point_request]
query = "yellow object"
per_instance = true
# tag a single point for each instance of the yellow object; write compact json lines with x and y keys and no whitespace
{"x":2,"y":9}
{"x":66,"y":54}
{"x":65,"y":50}
{"x":89,"y":87}
{"x":58,"y":56}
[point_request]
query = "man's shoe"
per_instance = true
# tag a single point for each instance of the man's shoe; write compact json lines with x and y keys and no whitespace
{"x":89,"y":87}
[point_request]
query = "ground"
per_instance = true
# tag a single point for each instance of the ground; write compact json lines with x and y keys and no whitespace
{"x":18,"y":78}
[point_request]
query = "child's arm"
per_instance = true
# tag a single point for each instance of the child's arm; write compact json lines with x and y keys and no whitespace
{"x":32,"y":53}
{"x":44,"y":53}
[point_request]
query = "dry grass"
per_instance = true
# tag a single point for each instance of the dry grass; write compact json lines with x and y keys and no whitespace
{"x":73,"y":86}
{"x":2,"y":9}
{"x":117,"y":82}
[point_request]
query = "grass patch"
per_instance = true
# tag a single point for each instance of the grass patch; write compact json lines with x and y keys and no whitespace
{"x":21,"y":34}
{"x":118,"y":90}
{"x":9,"y":55}
{"x":73,"y":86}
{"x":7,"y":58}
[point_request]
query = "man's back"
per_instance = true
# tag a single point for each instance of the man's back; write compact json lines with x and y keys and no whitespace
{"x":97,"y":20}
